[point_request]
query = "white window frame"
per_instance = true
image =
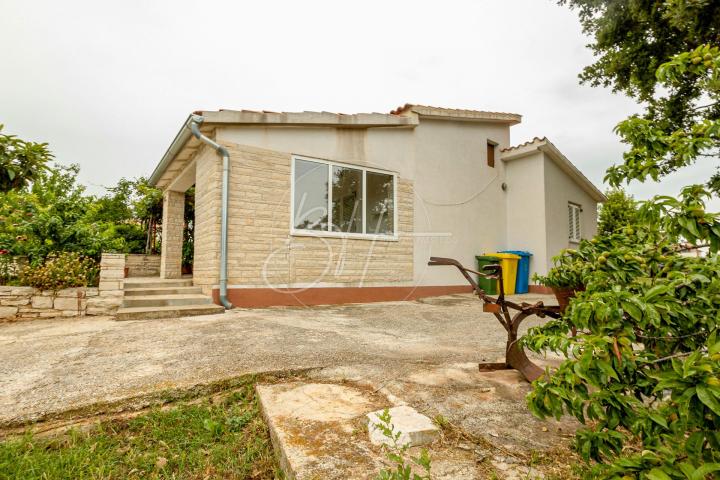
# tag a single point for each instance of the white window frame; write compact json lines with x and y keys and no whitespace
{"x":322,"y":233}
{"x":574,"y":212}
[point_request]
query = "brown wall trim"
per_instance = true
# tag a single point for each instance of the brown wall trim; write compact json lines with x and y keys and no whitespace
{"x":269,"y":297}
{"x":540,"y":289}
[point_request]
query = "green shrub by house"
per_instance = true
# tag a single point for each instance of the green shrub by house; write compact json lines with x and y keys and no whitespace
{"x":64,"y":270}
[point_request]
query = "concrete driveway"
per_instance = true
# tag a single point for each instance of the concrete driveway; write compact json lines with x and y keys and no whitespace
{"x":50,"y":366}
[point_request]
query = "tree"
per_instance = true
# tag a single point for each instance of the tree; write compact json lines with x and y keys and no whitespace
{"x":618,"y":212}
{"x":48,"y":217}
{"x":657,"y":150}
{"x":631,"y":40}
{"x":135,"y":208}
{"x":148,"y":209}
{"x":55,"y":214}
{"x":643,"y":372}
{"x":20,"y":161}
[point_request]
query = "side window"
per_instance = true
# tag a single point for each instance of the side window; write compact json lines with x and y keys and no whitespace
{"x":574,"y":222}
{"x":491,"y":153}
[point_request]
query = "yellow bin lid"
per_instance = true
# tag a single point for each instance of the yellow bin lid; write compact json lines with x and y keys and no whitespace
{"x":504,"y":255}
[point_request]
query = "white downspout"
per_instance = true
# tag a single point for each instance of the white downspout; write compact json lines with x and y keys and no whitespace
{"x":194,"y":123}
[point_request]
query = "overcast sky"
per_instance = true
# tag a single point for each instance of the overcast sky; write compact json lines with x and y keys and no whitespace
{"x":108,"y":84}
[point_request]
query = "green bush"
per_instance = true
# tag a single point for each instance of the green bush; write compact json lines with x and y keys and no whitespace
{"x":66,"y":270}
{"x":566,"y":271}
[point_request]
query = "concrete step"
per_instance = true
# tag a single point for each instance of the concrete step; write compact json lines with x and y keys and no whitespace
{"x":145,"y":291}
{"x":157,"y":283}
{"x":165,"y":300}
{"x":148,"y":313}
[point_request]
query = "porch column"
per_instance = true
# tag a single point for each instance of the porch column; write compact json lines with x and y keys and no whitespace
{"x":172,"y":234}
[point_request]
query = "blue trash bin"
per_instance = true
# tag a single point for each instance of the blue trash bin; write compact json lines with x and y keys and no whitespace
{"x":522,"y":280}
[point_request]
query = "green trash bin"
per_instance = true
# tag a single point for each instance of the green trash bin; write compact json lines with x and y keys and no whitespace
{"x":489,"y":285}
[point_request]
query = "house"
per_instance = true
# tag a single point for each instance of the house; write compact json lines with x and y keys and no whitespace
{"x":333,"y":208}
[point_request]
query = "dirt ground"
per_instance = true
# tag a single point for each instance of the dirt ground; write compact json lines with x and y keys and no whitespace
{"x":51,"y":366}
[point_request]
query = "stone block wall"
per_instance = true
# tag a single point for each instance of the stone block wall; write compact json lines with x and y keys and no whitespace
{"x":206,"y":258}
{"x":27,"y":303}
{"x":142,"y":265}
{"x":261,"y":251}
{"x":172,"y":234}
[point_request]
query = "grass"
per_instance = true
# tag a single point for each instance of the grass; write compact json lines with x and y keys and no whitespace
{"x":217,"y":437}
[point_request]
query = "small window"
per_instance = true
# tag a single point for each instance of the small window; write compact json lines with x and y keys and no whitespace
{"x":491,"y":153}
{"x":574,"y":222}
{"x":342,"y":200}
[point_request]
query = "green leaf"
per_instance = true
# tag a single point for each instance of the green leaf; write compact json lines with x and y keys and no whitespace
{"x":702,"y":472}
{"x":692,"y":227}
{"x":607,"y":369}
{"x":657,"y":474}
{"x":633,"y":310}
{"x":708,"y":399}
{"x":655,"y":291}
{"x":657,"y":418}
{"x":687,"y":468}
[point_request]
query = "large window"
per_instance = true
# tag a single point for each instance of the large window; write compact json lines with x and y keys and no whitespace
{"x":574,"y":222}
{"x":342,"y":200}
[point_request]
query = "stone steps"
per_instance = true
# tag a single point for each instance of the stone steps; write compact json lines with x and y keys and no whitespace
{"x":165,"y":300}
{"x":132,"y":292}
{"x":133,"y":283}
{"x":149,"y":313}
{"x":149,"y":298}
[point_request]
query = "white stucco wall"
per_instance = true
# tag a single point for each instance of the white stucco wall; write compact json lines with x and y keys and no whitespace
{"x":386,"y":148}
{"x":526,"y":225}
{"x":457,"y":196}
{"x":559,"y":190}
{"x":537,"y":207}
{"x":459,"y":207}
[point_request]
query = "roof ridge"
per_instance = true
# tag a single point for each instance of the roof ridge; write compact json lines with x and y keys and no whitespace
{"x":416,"y":106}
{"x":525,"y":144}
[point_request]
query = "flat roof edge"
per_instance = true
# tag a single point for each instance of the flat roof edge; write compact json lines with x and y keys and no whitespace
{"x":357,"y":120}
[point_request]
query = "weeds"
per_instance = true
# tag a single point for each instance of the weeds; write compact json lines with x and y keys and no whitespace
{"x":397,"y":453}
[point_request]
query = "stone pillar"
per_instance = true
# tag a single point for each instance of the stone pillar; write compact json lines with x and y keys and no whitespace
{"x":112,"y":272}
{"x":172,"y":234}
{"x":110,"y":290}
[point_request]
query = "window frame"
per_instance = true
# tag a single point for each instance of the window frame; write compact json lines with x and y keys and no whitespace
{"x":300,"y":232}
{"x":572,"y":208}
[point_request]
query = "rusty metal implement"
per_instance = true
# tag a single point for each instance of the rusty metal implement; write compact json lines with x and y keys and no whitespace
{"x":515,"y":356}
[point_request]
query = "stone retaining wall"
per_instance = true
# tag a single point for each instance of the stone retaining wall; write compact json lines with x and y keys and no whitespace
{"x":143,"y":265}
{"x":27,"y":303}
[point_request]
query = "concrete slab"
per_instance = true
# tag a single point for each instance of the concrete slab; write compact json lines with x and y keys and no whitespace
{"x":415,"y":429}
{"x":487,"y":405}
{"x":319,"y":430}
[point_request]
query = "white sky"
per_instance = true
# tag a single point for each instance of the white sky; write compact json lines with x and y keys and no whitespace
{"x":108,"y":84}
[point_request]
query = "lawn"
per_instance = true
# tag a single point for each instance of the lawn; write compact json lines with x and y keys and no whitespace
{"x":212,"y":437}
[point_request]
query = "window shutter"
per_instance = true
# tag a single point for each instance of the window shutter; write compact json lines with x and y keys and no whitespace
{"x":574,"y":222}
{"x":577,"y":223}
